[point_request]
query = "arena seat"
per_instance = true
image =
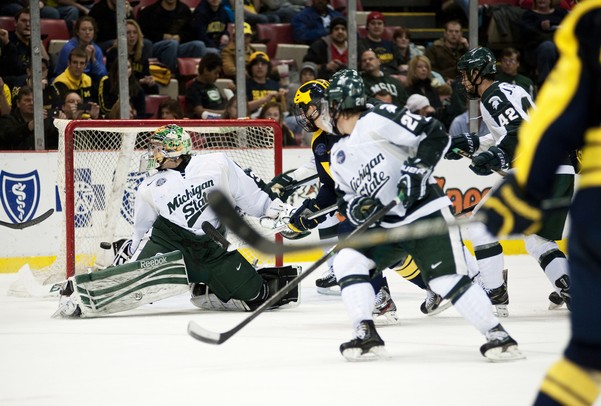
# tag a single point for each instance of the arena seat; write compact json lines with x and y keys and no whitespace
{"x":273,"y":34}
{"x":152,"y":103}
{"x":53,"y":29}
{"x":7,"y":23}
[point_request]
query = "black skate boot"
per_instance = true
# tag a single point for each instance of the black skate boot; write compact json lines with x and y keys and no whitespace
{"x":563,"y":284}
{"x":366,"y":346}
{"x":500,"y":346}
{"x":500,"y":298}
{"x":385,"y":309}
{"x":556,"y":301}
{"x":327,"y":284}
{"x":434,"y":304}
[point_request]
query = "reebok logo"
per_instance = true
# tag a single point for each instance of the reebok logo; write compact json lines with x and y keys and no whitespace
{"x":150,"y":263}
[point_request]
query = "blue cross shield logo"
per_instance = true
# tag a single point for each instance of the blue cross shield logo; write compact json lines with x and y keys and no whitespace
{"x":20,"y":195}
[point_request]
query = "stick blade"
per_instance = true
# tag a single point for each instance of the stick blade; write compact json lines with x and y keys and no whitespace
{"x":200,"y":333}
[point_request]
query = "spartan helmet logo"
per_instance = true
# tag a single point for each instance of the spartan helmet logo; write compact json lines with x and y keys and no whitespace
{"x":495,"y":101}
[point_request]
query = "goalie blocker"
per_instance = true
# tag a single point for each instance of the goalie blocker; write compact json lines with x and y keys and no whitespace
{"x":128,"y":286}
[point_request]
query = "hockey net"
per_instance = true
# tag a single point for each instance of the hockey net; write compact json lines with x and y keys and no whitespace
{"x":98,"y":175}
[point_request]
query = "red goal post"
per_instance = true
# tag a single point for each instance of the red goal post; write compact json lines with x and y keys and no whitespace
{"x":98,"y":173}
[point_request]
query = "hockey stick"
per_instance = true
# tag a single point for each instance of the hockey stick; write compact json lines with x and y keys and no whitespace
{"x":227,"y":213}
{"x":215,"y":235}
{"x":466,"y":155}
{"x":297,"y":184}
{"x":280,"y":228}
{"x":33,"y":222}
{"x":202,"y":334}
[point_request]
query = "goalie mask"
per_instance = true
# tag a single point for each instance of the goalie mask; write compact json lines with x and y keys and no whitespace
{"x":474,"y":66}
{"x":168,"y":142}
{"x":310,"y":106}
{"x":346,"y":93}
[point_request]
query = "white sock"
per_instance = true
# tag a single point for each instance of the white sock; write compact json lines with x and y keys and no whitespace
{"x":475,"y":307}
{"x":359,"y":301}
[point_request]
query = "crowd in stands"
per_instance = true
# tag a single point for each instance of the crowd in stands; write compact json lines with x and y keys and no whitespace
{"x":82,"y":81}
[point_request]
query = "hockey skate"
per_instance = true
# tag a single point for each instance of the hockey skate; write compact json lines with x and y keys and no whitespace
{"x":327,"y":284}
{"x":384,"y":313}
{"x":68,"y":308}
{"x":366,"y":346}
{"x":434,"y":304}
{"x":563,"y":284}
{"x":500,"y":346}
{"x":500,"y":298}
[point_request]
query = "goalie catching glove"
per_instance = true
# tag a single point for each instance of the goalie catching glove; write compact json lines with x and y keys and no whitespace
{"x":413,"y":185}
{"x":467,"y":142}
{"x":508,"y":211}
{"x":494,"y":159}
{"x":361,"y":208}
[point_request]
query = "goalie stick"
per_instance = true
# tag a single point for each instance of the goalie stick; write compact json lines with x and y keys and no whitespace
{"x":202,"y":334}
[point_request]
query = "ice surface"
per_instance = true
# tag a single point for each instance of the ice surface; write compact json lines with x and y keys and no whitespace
{"x":288,"y":357}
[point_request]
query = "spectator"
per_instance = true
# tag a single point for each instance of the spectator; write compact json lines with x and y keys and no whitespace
{"x":20,"y":38}
{"x":313,"y":22}
{"x":384,"y":96}
{"x":73,"y":108}
{"x":8,"y":55}
{"x":12,"y":7}
{"x":330,"y":53}
{"x":105,"y":15}
{"x":461,"y":124}
{"x":170,"y":110}
{"x":446,"y":51}
{"x":203,"y":98}
{"x":69,"y":10}
{"x":228,"y":54}
{"x":5,"y":98}
{"x":168,"y":24}
{"x":17,"y":128}
{"x":138,"y":52}
{"x":259,"y":87}
{"x":407,"y":49}
{"x":386,"y":51}
{"x":421,"y":81}
{"x":375,"y":80}
{"x":49,"y":93}
{"x":252,"y":14}
{"x":108,"y":91}
{"x":115,"y":113}
{"x":283,"y":10}
{"x":418,"y":104}
{"x":74,"y":78}
{"x":508,"y":72}
{"x":84,"y":33}
{"x":210,"y":19}
{"x":539,"y":26}
{"x":231,"y":109}
{"x":273,"y":110}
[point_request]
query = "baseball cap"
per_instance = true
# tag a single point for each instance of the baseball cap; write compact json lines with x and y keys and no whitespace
{"x":247,"y":29}
{"x":375,"y":15}
{"x":416,"y":102}
{"x":310,"y":66}
{"x":258,"y":56}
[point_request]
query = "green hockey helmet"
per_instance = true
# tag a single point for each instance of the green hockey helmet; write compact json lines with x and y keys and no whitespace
{"x":477,"y":63}
{"x":168,"y":142}
{"x":347,"y":92}
{"x":311,"y":93}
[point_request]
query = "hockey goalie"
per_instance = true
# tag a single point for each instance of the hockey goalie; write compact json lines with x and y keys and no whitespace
{"x":171,"y":205}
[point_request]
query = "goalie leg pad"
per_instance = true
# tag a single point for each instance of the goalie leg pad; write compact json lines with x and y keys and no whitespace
{"x":277,"y":278}
{"x":129,"y":286}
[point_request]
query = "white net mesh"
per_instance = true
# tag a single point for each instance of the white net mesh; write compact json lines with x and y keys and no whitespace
{"x":98,"y":174}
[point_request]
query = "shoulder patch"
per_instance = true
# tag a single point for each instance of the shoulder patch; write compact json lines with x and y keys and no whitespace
{"x":161,"y":182}
{"x":495,"y":101}
{"x":340,"y":157}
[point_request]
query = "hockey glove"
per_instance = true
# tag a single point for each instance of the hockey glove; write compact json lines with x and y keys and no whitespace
{"x":413,"y":185}
{"x":508,"y":211}
{"x":300,"y":218}
{"x":361,"y":208}
{"x":492,"y":160}
{"x":467,"y":142}
{"x":277,"y":186}
{"x":275,"y":208}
